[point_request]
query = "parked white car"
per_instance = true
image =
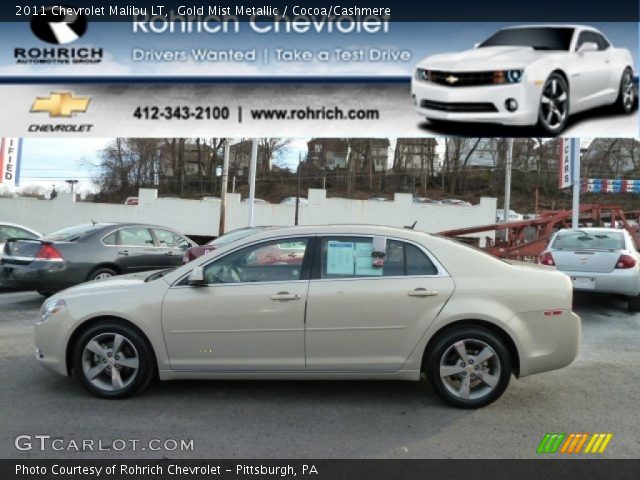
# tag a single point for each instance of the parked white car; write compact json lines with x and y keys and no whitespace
{"x":344,"y":302}
{"x":292,"y":201}
{"x":597,"y":260}
{"x":512,"y":217}
{"x":13,"y":230}
{"x":526,"y":75}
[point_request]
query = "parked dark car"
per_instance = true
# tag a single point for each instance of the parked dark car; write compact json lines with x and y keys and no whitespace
{"x":222,"y":241}
{"x":89,"y":252}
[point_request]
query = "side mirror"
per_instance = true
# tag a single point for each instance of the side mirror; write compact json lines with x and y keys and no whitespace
{"x":196,"y":277}
{"x":588,"y":47}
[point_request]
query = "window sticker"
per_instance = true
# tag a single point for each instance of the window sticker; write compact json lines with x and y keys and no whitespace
{"x":365,"y":266}
{"x":340,"y":258}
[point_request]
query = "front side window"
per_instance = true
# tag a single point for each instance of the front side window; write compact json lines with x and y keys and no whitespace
{"x":169,"y":239}
{"x":136,"y":237}
{"x":274,"y":261}
{"x":354,"y":257}
{"x":592,"y":37}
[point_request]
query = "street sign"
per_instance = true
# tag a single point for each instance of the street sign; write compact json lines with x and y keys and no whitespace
{"x":565,"y":173}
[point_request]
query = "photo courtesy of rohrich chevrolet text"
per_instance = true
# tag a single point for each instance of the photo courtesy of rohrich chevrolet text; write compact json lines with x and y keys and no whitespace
{"x":334,"y":241}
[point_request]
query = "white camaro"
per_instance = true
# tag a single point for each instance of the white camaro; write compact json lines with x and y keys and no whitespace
{"x":526,"y":75}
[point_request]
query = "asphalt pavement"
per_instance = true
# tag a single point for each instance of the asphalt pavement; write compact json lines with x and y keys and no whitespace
{"x":225,"y":419}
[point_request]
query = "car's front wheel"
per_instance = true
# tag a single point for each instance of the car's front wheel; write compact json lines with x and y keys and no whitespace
{"x":553,"y":111}
{"x":112,"y":360}
{"x":468,"y":367}
{"x":626,"y":95}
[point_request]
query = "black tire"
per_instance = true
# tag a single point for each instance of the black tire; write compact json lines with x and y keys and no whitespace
{"x":136,"y":381}
{"x":625,"y":104}
{"x":470,"y":336}
{"x":106,"y":271}
{"x":550,"y":127}
{"x":633,"y":303}
{"x":45,"y":293}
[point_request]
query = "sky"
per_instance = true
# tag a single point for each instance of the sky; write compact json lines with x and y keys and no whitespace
{"x":50,"y":161}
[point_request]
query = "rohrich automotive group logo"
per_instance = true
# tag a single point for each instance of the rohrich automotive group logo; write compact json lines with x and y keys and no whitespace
{"x":574,"y":443}
{"x":58,"y":25}
{"x":58,"y":29}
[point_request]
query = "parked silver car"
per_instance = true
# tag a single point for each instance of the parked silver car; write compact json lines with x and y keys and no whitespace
{"x":330,"y":302}
{"x":597,"y":260}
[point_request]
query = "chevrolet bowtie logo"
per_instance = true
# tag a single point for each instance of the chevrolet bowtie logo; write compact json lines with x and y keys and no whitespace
{"x":452,"y":79}
{"x":61,"y":104}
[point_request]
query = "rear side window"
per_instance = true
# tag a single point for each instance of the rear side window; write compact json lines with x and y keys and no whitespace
{"x":111,"y":239}
{"x":7,"y":231}
{"x":136,"y":237}
{"x":354,"y":257}
{"x":589,"y":241}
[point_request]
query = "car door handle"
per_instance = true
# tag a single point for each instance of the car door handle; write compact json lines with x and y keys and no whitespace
{"x":422,"y":292}
{"x":124,"y":253}
{"x":286,"y":296}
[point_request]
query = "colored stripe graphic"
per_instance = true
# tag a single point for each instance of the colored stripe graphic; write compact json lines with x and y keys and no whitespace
{"x":573,"y":443}
{"x":551,"y":442}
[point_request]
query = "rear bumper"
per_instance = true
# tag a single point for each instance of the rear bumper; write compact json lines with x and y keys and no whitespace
{"x":618,"y":282}
{"x":546,"y":342}
{"x":39,"y":275}
{"x":446,"y":98}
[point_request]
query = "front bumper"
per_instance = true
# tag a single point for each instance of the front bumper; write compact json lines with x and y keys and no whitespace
{"x":527,"y":94}
{"x":545,"y":342}
{"x":51,"y":339}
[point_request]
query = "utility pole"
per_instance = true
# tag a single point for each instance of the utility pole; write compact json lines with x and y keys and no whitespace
{"x":252,"y":179}
{"x":575,"y":174}
{"x":223,"y":188}
{"x":298,"y":190}
{"x":507,"y":185}
{"x":72,"y":184}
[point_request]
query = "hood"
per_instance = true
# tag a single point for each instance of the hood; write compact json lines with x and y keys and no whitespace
{"x":120,"y":282}
{"x":481,"y":59}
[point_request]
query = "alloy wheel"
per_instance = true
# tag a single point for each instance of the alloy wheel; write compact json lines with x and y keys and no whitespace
{"x":628,"y":92}
{"x":110,"y":362}
{"x":102,"y":275}
{"x":554,"y":104}
{"x":470,"y":369}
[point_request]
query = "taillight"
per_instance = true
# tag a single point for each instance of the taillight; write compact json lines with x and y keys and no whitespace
{"x":626,"y":261}
{"x":547,"y":259}
{"x":49,"y":253}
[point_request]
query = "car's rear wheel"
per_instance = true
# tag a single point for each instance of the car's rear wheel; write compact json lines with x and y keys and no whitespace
{"x":468,"y":367}
{"x":626,"y":95}
{"x":112,"y":360}
{"x":553,"y":111}
{"x":101,"y":273}
{"x":633,"y":303}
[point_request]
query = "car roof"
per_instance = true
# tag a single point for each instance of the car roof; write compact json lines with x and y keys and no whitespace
{"x":338,"y":229}
{"x":592,"y":229}
{"x":541,"y":25}
{"x":17,"y":225}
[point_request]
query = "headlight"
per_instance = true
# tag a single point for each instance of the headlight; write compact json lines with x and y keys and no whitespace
{"x":50,"y":308}
{"x":507,"y":76}
{"x":423,"y":74}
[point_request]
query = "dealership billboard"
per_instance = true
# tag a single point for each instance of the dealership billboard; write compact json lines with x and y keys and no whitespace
{"x":10,"y":151}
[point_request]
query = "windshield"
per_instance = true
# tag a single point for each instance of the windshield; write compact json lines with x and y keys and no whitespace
{"x":539,"y":38}
{"x":231,"y":237}
{"x":581,"y":240}
{"x":71,"y":234}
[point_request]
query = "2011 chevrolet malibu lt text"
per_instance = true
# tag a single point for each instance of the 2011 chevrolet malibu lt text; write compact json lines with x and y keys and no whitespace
{"x":526,"y":75}
{"x":331,"y":302}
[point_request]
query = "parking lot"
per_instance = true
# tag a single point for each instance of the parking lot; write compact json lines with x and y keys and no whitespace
{"x":597,"y":393}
